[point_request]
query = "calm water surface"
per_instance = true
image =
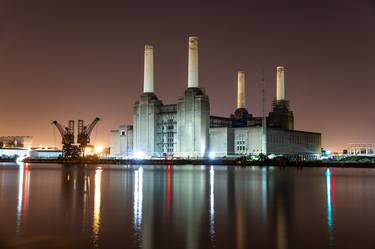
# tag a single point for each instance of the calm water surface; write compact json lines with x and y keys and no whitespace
{"x":51,"y":206}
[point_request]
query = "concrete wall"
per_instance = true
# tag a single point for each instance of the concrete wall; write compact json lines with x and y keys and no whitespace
{"x":121,"y":141}
{"x":221,"y":141}
{"x":248,"y":140}
{"x":145,"y":118}
{"x":114,"y":143}
{"x":293,"y":142}
{"x":192,"y":123}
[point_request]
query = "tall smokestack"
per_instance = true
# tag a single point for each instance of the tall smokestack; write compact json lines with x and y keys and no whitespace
{"x":148,"y":76}
{"x":193,"y":62}
{"x":241,"y":99}
{"x":280,"y":88}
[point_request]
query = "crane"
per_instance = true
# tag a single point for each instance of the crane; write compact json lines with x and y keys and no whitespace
{"x":67,"y":135}
{"x":84,"y":133}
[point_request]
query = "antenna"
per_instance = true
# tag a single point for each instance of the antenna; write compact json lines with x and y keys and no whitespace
{"x":263,"y":94}
{"x":264,"y":121}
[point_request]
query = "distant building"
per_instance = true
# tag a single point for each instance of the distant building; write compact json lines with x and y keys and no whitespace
{"x":45,"y":153}
{"x":121,"y":141}
{"x":14,"y":152}
{"x":16,"y":142}
{"x":187,"y":130}
{"x":361,"y":149}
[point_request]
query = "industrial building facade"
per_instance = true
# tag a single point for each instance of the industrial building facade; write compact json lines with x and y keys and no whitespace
{"x":187,"y":130}
{"x":360,"y":149}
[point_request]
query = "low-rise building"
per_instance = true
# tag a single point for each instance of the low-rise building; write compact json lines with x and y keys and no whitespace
{"x":361,"y":149}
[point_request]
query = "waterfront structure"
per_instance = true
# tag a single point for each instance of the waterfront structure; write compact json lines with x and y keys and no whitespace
{"x":40,"y":153}
{"x":16,"y":142}
{"x":14,"y":153}
{"x":360,"y":149}
{"x":121,"y":141}
{"x":188,"y":130}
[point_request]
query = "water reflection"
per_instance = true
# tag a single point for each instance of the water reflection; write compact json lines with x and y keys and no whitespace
{"x":23,"y":194}
{"x":330,"y":190}
{"x":168,"y":188}
{"x":281,"y":226}
{"x":264,"y":198}
{"x":184,"y":206}
{"x":212,"y":203}
{"x":97,"y":202}
{"x":85,"y":196}
{"x":138,"y":199}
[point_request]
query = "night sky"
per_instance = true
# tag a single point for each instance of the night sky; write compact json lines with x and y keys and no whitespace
{"x":81,"y":59}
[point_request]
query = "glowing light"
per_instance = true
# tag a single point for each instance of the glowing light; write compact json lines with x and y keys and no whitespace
{"x":98,"y":149}
{"x":88,"y":151}
{"x":138,"y":155}
{"x":272,"y":156}
{"x":212,"y":155}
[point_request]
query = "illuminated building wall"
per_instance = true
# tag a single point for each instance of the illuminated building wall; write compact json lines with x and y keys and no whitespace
{"x":192,"y":123}
{"x":121,"y":141}
{"x":221,"y":141}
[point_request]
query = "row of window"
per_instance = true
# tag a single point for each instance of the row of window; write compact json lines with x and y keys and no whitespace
{"x":293,"y":139}
{"x":241,"y":148}
{"x":168,"y":140}
{"x":361,"y":152}
{"x":169,"y":121}
{"x":167,"y":128}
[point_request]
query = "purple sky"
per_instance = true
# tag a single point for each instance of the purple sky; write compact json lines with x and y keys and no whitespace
{"x":68,"y":60}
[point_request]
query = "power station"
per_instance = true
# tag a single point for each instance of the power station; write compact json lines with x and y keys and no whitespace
{"x":188,"y":130}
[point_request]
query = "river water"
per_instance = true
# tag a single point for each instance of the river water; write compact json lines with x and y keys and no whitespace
{"x":55,"y":206}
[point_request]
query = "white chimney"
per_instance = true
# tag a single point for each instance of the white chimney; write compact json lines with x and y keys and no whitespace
{"x":148,"y":76}
{"x":193,"y":62}
{"x":280,"y":88}
{"x":241,"y":99}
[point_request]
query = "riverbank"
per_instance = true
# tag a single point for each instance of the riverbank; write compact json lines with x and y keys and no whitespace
{"x":233,"y":162}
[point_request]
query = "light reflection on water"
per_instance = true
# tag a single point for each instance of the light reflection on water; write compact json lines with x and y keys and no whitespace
{"x":330,"y":186}
{"x":212,"y":203}
{"x":97,"y":202}
{"x":23,"y":194}
{"x":184,"y":206}
{"x":138,"y":199}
